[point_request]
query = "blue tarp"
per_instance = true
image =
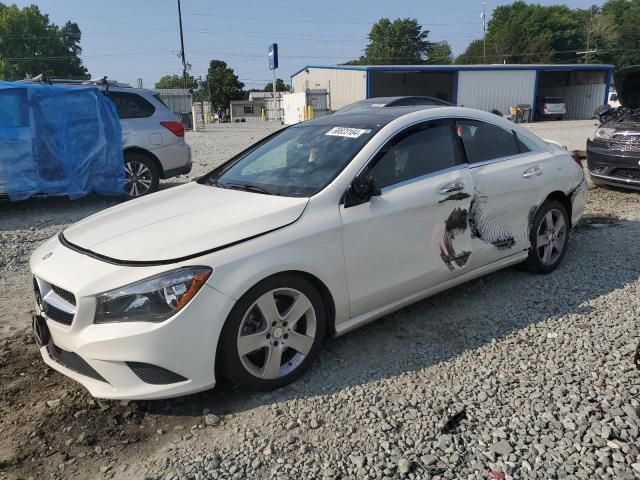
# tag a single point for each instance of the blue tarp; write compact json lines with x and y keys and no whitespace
{"x":58,"y":140}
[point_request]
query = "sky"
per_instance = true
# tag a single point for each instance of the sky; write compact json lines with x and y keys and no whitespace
{"x":131,"y":39}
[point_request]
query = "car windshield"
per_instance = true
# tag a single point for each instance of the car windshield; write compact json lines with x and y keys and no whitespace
{"x":553,"y":100}
{"x":297,"y":162}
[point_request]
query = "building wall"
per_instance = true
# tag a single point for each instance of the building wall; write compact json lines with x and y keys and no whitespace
{"x":178,"y":100}
{"x":440,"y":85}
{"x":496,"y":89}
{"x":237,"y":110}
{"x":344,"y":86}
{"x":581,"y":100}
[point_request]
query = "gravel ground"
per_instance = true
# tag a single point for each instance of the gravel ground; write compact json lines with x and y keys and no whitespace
{"x":570,"y":133}
{"x":511,"y":376}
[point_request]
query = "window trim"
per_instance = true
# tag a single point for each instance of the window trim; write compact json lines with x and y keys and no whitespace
{"x":454,"y":168}
{"x":459,"y":161}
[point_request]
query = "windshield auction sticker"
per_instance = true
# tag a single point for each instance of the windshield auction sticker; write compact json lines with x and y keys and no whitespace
{"x":347,"y":132}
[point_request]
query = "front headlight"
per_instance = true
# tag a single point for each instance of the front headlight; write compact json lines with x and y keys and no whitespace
{"x":603,"y":133}
{"x":151,"y":300}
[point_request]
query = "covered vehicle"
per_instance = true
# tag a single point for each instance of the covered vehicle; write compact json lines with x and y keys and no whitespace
{"x":58,"y":140}
{"x":613,"y":154}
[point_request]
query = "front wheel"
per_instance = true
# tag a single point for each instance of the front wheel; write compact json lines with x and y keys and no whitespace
{"x":141,"y":175}
{"x":549,"y":237}
{"x":273,"y":333}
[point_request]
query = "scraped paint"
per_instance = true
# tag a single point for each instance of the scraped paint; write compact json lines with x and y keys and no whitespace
{"x":455,"y":224}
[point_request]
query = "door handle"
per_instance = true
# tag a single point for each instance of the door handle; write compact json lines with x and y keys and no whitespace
{"x":532,"y":172}
{"x":452,"y":187}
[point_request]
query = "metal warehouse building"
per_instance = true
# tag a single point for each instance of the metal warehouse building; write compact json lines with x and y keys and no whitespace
{"x":485,"y":87}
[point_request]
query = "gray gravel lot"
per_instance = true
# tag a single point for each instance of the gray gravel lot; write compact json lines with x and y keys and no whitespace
{"x":518,"y":374}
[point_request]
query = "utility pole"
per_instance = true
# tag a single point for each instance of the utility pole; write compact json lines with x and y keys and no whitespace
{"x":184,"y":62}
{"x":484,"y":32}
{"x":588,"y":50}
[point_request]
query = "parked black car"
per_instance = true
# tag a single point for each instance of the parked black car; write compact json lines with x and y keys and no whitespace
{"x":613,"y":155}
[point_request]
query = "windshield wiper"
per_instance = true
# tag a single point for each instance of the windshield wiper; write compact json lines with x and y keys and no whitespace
{"x":218,"y":184}
{"x":247,"y":188}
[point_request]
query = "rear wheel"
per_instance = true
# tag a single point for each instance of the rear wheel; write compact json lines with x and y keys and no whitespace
{"x":273,"y":333}
{"x":141,"y":175}
{"x":549,"y":236}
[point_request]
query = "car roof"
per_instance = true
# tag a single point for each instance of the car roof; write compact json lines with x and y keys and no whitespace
{"x":365,"y":119}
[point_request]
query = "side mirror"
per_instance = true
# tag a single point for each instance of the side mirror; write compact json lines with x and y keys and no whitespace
{"x":361,"y":190}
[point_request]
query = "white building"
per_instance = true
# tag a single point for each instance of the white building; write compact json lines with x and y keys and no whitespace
{"x":486,"y":87}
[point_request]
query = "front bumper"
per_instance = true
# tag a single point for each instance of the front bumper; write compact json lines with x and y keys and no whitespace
{"x":611,"y":167}
{"x":127,"y":360}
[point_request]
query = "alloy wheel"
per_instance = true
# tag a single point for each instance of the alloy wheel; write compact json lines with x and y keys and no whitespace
{"x":138,"y":179}
{"x":276,"y":333}
{"x":551,"y":237}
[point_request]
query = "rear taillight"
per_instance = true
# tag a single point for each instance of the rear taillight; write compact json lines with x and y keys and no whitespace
{"x":545,"y":106}
{"x":175,"y":127}
{"x":578,"y":159}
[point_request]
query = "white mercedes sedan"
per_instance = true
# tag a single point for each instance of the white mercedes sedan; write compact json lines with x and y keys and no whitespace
{"x":310,"y":233}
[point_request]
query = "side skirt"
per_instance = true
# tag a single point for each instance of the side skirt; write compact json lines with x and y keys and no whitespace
{"x":365,"y":318}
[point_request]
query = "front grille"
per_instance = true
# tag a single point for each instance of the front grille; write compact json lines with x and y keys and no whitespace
{"x":73,"y":362}
{"x":56,"y":314}
{"x":630,"y":173}
{"x":62,"y":293}
{"x":625,"y":142}
{"x":154,"y":375}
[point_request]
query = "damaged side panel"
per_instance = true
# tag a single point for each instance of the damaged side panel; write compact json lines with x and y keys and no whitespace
{"x":455,"y":225}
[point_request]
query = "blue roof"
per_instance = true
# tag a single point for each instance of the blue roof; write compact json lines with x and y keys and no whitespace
{"x":455,"y":68}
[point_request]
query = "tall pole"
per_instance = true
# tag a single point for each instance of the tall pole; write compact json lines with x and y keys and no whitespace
{"x":275,"y":100}
{"x":484,"y":33}
{"x":184,"y":62}
{"x":586,"y":58}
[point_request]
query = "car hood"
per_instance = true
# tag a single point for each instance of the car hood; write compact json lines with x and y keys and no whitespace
{"x":180,"y":223}
{"x":628,"y":86}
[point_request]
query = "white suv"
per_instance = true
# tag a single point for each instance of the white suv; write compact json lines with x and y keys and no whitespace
{"x":152,"y":138}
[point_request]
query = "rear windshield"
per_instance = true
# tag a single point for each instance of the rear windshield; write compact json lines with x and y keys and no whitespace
{"x":553,"y":100}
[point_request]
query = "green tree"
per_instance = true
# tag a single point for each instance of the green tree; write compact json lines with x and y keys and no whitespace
{"x":439,"y":53}
{"x":222,"y":84}
{"x":530,"y":33}
{"x":616,"y":32}
{"x":176,"y":81}
{"x":402,"y":42}
{"x":30,"y":44}
{"x":280,"y":86}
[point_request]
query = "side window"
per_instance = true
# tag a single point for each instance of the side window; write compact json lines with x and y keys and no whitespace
{"x":484,"y":141}
{"x":418,"y":151}
{"x":131,"y":105}
{"x":525,"y":144}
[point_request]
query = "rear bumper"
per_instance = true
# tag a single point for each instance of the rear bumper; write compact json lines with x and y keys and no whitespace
{"x":175,"y":159}
{"x":611,"y":167}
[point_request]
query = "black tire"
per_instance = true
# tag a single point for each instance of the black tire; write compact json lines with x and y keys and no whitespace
{"x":149,"y":179}
{"x":229,"y":360}
{"x":535,"y":262}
